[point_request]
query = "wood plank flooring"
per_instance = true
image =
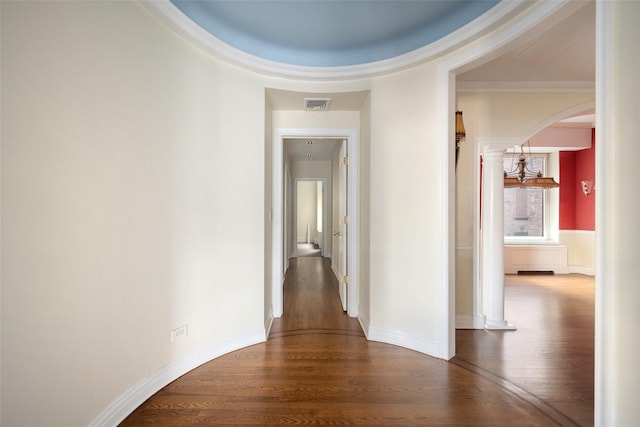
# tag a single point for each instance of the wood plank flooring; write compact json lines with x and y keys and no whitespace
{"x":550,"y":356}
{"x":317,"y":368}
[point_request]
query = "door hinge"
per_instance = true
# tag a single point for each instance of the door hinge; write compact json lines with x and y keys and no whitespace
{"x":345,"y":279}
{"x":345,"y":161}
{"x":345,"y":220}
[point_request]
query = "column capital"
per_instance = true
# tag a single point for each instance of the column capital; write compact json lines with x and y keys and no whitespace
{"x":488,"y":145}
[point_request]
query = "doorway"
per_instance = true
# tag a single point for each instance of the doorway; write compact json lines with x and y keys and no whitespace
{"x":311,"y":217}
{"x":279,"y":227}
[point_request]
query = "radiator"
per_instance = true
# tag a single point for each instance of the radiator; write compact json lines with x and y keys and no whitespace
{"x":535,"y":258}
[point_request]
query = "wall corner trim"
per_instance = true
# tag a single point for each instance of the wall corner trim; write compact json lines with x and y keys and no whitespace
{"x":127,"y":402}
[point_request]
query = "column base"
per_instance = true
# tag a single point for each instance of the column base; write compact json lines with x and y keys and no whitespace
{"x":501,"y":325}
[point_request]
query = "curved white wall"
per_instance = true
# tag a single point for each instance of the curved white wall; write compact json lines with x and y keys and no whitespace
{"x":132,"y":201}
{"x":407,"y":263}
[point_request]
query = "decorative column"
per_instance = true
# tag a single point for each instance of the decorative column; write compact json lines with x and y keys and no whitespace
{"x":493,"y":237}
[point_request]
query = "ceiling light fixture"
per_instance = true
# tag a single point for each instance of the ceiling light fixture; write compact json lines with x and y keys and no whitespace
{"x":521,"y":176}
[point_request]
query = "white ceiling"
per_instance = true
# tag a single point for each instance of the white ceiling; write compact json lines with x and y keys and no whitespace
{"x":319,"y":149}
{"x":563,"y":53}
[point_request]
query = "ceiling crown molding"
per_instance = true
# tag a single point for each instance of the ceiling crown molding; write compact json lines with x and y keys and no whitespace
{"x":168,"y":13}
{"x":525,"y":86}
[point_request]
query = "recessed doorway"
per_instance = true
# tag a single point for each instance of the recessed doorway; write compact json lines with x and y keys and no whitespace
{"x":282,"y":234}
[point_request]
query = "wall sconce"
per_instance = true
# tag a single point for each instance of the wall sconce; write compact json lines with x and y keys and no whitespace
{"x":587,"y":187}
{"x":460,"y":133}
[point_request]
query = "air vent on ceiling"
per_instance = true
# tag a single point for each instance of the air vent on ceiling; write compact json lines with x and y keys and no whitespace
{"x":317,"y":104}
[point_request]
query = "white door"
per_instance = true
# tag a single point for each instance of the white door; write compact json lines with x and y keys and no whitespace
{"x":342,"y":226}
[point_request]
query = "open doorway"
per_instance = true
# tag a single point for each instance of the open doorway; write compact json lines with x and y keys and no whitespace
{"x":311,"y":217}
{"x":286,"y":236}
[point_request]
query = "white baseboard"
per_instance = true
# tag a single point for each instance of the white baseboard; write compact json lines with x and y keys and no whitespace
{"x":364,"y":324}
{"x":124,"y":405}
{"x":335,"y":273}
{"x":403,"y":339}
{"x":267,"y":326}
{"x":464,"y":322}
{"x":469,"y":322}
{"x":577,"y":269}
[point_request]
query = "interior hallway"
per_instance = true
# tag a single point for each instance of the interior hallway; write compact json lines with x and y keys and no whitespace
{"x":317,"y":367}
{"x":308,"y":249}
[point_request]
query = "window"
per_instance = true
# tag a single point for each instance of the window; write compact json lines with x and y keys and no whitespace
{"x":525,"y":208}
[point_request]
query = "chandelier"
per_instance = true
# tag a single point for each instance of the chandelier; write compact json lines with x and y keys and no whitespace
{"x":521,"y":176}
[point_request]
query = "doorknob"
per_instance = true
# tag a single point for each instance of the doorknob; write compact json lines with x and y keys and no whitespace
{"x":337,"y":233}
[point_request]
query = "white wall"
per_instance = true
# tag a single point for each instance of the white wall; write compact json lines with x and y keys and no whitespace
{"x":315,"y":119}
{"x":307,"y":199}
{"x":407,"y":264}
{"x":581,"y":250}
{"x":513,"y":114}
{"x":132,"y":204}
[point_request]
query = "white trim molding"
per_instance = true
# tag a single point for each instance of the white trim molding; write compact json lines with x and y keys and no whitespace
{"x":365,"y":324}
{"x":526,"y":86}
{"x":126,"y":403}
{"x":588,"y":106}
{"x":470,"y":322}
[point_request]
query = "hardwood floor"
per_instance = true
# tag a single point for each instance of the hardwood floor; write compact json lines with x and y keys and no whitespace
{"x":550,"y":357}
{"x":318,"y":368}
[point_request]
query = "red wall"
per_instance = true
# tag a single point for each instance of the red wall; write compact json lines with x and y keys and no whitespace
{"x":568,"y":184}
{"x":577,"y":211}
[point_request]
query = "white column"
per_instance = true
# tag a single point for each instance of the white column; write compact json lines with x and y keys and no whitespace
{"x":617,"y":378}
{"x":493,"y":238}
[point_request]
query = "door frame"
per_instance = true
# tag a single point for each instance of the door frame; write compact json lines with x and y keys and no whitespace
{"x":278,"y":256}
{"x":342,"y":227}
